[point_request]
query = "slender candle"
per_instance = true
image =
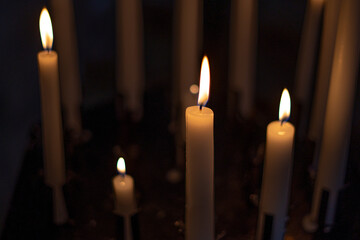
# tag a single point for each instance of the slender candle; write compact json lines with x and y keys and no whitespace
{"x":125,"y":203}
{"x":64,"y":24}
{"x":331,"y":15}
{"x":338,"y":118}
{"x":130,"y":55}
{"x":199,"y":222}
{"x":306,"y":60}
{"x":243,"y":54}
{"x":123,"y":184}
{"x":277,"y":174}
{"x":54,"y":165}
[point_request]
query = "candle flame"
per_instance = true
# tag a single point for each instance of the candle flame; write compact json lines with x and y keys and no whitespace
{"x":121,"y":166}
{"x":285,"y":106}
{"x":46,"y":31}
{"x":204,"y":86}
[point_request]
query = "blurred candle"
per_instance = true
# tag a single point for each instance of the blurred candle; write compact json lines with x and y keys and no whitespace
{"x":338,"y":117}
{"x":199,"y":215}
{"x":123,"y":184}
{"x":243,"y":41}
{"x":306,"y":61}
{"x":331,"y":15}
{"x":130,"y":55}
{"x":277,"y":174}
{"x":54,"y":165}
{"x":64,"y":25}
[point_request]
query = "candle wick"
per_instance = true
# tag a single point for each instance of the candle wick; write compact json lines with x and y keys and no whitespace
{"x":201,"y":107}
{"x":283,"y":120}
{"x":122,"y":176}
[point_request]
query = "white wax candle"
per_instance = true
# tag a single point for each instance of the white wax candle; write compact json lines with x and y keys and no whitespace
{"x":54,"y":165}
{"x":187,"y":38}
{"x":64,"y":24}
{"x":307,"y":50}
{"x":306,"y":62}
{"x":50,"y":106}
{"x":130,"y":55}
{"x":243,"y":41}
{"x":331,"y":14}
{"x":199,"y":215}
{"x":339,"y":111}
{"x":277,"y":173}
{"x":123,"y":185}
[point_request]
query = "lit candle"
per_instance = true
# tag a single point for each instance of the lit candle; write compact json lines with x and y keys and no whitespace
{"x":123,"y":184}
{"x":125,"y":203}
{"x":277,"y":174}
{"x":243,"y":41}
{"x":130,"y":55}
{"x":199,"y":215}
{"x":54,"y":165}
{"x":338,"y":118}
{"x":64,"y":25}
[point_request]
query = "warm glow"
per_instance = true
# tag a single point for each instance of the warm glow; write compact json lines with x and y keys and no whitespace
{"x":285,"y":106}
{"x":194,"y":89}
{"x":46,"y":31}
{"x":121,"y":166}
{"x":204,"y":82}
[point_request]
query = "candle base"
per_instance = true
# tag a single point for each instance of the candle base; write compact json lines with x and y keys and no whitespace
{"x":59,"y":206}
{"x":309,"y":225}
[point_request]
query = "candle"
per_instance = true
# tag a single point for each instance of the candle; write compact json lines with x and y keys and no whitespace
{"x":199,"y":215}
{"x":331,"y":14}
{"x":54,"y":165}
{"x":338,"y":118}
{"x":243,"y":41}
{"x":186,"y":52}
{"x":123,"y":184}
{"x":130,"y":56}
{"x":64,"y":24}
{"x":306,"y":60}
{"x":125,"y":203}
{"x":277,"y":174}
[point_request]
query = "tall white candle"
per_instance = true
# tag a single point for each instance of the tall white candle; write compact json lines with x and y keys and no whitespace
{"x":199,"y":215}
{"x":187,"y":38}
{"x":306,"y":60}
{"x":64,"y":25}
{"x":243,"y":41}
{"x":186,"y":53}
{"x":277,"y":173}
{"x":130,"y":55}
{"x":338,"y":117}
{"x":331,"y":14}
{"x":54,"y":165}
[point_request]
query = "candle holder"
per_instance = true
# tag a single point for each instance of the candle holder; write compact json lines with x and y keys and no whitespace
{"x":59,"y":206}
{"x":127,"y":226}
